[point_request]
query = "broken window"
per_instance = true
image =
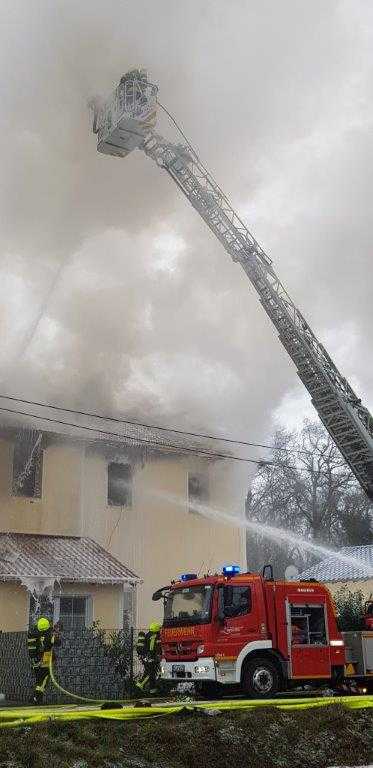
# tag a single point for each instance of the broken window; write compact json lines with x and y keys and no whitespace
{"x":119,"y":485}
{"x":27,"y":464}
{"x":198,"y":491}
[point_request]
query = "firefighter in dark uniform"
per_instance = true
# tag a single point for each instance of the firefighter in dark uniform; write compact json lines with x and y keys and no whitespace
{"x":148,"y":648}
{"x":141,"y":644}
{"x":41,"y":640}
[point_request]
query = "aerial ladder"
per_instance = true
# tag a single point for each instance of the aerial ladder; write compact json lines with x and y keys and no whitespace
{"x":125,"y":122}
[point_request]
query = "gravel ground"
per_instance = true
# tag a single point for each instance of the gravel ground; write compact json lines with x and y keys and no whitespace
{"x":267,"y":738}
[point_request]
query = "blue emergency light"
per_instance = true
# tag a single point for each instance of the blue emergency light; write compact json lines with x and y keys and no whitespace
{"x":188,"y":576}
{"x":231,"y":570}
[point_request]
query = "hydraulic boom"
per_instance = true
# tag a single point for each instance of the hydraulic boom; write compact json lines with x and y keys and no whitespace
{"x":126,"y":122}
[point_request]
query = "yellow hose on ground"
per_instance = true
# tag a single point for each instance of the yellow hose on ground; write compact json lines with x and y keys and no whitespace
{"x":26,"y":717}
{"x":82,"y":698}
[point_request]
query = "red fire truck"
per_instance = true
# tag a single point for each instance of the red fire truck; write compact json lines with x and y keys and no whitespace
{"x":259,"y":634}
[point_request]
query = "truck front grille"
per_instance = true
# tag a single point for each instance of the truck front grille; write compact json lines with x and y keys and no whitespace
{"x":184,"y":650}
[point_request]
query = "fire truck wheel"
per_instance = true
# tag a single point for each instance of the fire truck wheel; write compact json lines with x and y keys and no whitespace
{"x":261,"y":678}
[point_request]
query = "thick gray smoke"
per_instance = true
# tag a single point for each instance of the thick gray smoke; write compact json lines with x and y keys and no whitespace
{"x":114,"y":296}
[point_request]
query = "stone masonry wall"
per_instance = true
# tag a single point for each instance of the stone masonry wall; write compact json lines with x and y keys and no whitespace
{"x":82,"y":666}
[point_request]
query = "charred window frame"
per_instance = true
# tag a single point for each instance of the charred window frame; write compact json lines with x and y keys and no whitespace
{"x":119,"y":490}
{"x":198,"y":491}
{"x":27,"y":473}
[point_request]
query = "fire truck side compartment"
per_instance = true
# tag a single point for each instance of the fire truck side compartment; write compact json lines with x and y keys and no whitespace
{"x":359,"y":651}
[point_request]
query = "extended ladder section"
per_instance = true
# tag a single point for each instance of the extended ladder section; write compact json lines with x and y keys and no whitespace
{"x":349,"y":423}
{"x":124,"y":123}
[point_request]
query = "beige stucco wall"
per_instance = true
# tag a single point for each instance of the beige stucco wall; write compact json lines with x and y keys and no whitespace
{"x":106,"y":602}
{"x":106,"y":599}
{"x":157,"y":538}
{"x":59,"y":509}
{"x":14,"y":607}
{"x":365,"y":586}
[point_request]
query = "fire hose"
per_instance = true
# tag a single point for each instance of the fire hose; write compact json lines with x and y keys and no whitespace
{"x":75,"y":696}
{"x":20,"y":717}
{"x":33,"y":715}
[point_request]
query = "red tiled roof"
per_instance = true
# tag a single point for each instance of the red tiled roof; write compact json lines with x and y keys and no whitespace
{"x":62,"y":558}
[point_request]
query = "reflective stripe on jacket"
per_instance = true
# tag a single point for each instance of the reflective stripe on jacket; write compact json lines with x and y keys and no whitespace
{"x":153,"y":640}
{"x":148,"y":645}
{"x":40,"y":645}
{"x":141,"y":643}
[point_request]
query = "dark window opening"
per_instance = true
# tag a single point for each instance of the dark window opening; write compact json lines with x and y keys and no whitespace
{"x":27,"y":465}
{"x":234,"y":600}
{"x":308,"y":625}
{"x":198,"y":491}
{"x":119,"y":485}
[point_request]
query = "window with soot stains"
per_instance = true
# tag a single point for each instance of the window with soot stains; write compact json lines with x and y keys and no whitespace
{"x":198,"y":491}
{"x":119,"y":485}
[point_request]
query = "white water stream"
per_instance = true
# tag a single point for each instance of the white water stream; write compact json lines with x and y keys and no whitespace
{"x":278,"y":535}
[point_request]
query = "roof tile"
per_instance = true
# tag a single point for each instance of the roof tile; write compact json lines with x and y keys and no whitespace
{"x":62,"y":558}
{"x":337,"y":569}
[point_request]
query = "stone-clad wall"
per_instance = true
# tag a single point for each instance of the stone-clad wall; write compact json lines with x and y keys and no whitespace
{"x":82,"y":666}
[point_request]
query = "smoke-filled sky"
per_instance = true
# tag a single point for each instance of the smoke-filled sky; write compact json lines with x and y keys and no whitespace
{"x":148,"y":317}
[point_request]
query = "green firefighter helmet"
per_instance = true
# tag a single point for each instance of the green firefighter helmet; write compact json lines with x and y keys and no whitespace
{"x":154,"y":626}
{"x":43,"y":624}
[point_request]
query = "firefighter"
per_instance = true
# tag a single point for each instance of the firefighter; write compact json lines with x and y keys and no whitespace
{"x":141,"y":644}
{"x":41,"y":640}
{"x":148,"y":648}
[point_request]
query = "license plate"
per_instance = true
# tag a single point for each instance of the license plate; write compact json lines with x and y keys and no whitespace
{"x":178,"y":670}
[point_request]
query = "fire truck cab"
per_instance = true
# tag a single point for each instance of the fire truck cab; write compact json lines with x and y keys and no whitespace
{"x":249,"y":630}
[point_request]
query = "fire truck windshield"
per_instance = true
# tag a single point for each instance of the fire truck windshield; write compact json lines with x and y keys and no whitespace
{"x":188,"y":605}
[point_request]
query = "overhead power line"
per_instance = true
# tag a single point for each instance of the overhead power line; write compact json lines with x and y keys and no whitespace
{"x":142,"y":440}
{"x":176,"y":431}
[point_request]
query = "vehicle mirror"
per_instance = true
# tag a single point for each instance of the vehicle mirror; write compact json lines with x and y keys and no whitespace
{"x":160,"y":593}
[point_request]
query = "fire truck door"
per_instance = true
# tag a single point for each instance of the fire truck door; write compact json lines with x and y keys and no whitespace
{"x":308,"y":641}
{"x":238,"y":621}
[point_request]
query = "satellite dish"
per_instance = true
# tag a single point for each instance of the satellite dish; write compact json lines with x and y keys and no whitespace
{"x":291,"y":573}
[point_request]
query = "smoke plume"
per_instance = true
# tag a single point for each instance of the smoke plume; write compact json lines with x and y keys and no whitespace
{"x":114,"y":295}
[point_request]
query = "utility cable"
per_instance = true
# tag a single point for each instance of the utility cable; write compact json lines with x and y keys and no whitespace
{"x":160,"y":446}
{"x":115,"y":528}
{"x":173,"y":446}
{"x":176,"y":431}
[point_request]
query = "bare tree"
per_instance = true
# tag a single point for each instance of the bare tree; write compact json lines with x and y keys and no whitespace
{"x":309,"y":490}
